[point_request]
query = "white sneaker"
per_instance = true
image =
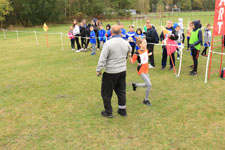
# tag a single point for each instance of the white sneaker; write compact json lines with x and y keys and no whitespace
{"x":178,"y":58}
{"x":77,"y":51}
{"x":73,"y":49}
{"x":81,"y":49}
{"x":150,"y":66}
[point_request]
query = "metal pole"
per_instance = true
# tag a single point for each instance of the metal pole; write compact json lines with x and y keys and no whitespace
{"x":207,"y":65}
{"x":181,"y":53}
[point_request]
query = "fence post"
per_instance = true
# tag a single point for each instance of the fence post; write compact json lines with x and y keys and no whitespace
{"x":62,"y":40}
{"x":17,"y":35}
{"x":35,"y":34}
{"x":4,"y":34}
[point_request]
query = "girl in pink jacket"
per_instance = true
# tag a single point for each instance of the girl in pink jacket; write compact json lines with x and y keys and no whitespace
{"x":72,"y":38}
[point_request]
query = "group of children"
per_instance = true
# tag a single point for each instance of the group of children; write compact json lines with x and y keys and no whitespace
{"x":96,"y":35}
{"x":92,"y":33}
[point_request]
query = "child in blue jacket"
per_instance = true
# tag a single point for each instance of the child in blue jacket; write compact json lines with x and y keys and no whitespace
{"x":108,"y":32}
{"x":139,"y":34}
{"x":92,"y":40}
{"x":101,"y":34}
{"x":130,"y":37}
{"x":123,"y":31}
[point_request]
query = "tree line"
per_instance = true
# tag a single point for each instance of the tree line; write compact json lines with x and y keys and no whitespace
{"x":35,"y":12}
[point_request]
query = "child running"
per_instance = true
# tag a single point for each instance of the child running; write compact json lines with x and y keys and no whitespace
{"x":92,"y":40}
{"x":142,"y":57}
{"x":130,"y":36}
{"x":72,"y":38}
{"x":208,"y":37}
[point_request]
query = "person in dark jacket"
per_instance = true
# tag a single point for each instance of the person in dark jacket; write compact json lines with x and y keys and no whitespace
{"x":83,"y":36}
{"x":87,"y":32}
{"x":172,"y":36}
{"x":97,"y":33}
{"x":195,"y":44}
{"x":150,"y":37}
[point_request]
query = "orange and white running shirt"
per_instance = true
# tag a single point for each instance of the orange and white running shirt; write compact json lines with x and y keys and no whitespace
{"x":142,"y":58}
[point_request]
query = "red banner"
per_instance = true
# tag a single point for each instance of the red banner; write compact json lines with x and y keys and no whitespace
{"x":219,"y":18}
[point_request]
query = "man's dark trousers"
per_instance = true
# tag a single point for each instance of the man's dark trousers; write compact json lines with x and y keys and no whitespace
{"x":116,"y":82}
{"x":151,"y":50}
{"x":164,"y":58}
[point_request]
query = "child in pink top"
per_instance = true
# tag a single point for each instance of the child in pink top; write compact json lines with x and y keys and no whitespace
{"x":72,"y":38}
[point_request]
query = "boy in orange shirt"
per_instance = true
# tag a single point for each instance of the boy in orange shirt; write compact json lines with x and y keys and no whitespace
{"x":141,"y":56}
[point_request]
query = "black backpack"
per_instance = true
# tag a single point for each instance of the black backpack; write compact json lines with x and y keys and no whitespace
{"x":223,"y":73}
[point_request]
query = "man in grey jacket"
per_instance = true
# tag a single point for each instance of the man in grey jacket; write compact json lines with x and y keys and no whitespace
{"x":113,"y":60}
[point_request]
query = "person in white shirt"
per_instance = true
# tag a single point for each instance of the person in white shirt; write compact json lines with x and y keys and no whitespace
{"x":76,"y":33}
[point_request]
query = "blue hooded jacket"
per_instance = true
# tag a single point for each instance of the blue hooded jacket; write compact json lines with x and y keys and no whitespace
{"x":92,"y":37}
{"x":123,"y":32}
{"x":101,"y":34}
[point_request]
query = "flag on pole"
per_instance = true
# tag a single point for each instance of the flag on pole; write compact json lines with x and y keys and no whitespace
{"x":45,"y":27}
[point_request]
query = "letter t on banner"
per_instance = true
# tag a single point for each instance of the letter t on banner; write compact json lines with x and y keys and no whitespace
{"x":219,"y":18}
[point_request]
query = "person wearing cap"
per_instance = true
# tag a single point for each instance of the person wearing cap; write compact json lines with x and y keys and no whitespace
{"x":176,"y":26}
{"x":113,"y":60}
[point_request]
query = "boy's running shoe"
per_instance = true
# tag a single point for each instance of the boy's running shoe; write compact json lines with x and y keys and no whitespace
{"x":134,"y":86}
{"x":92,"y":54}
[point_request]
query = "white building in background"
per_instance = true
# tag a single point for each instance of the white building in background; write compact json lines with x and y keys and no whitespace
{"x":132,"y":11}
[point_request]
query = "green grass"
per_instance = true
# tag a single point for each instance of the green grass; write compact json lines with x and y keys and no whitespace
{"x":50,"y":99}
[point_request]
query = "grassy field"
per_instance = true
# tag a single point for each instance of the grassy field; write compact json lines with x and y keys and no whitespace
{"x":50,"y":99}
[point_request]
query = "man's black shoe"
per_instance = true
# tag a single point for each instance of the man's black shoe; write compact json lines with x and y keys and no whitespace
{"x":105,"y":114}
{"x":147,"y":102}
{"x":134,"y":86}
{"x":171,"y":68}
{"x":122,"y":112}
{"x":193,"y":73}
{"x":163,"y":68}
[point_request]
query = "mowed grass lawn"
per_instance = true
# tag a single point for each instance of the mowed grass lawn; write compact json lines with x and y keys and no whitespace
{"x":50,"y":99}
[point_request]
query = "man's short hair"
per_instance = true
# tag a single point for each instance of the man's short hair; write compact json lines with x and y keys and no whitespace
{"x":116,"y":31}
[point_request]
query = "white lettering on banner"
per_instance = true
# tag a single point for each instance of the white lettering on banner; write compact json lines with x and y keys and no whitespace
{"x":221,"y":14}
{"x":222,"y":1}
{"x":220,"y":26}
{"x":219,"y":18}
